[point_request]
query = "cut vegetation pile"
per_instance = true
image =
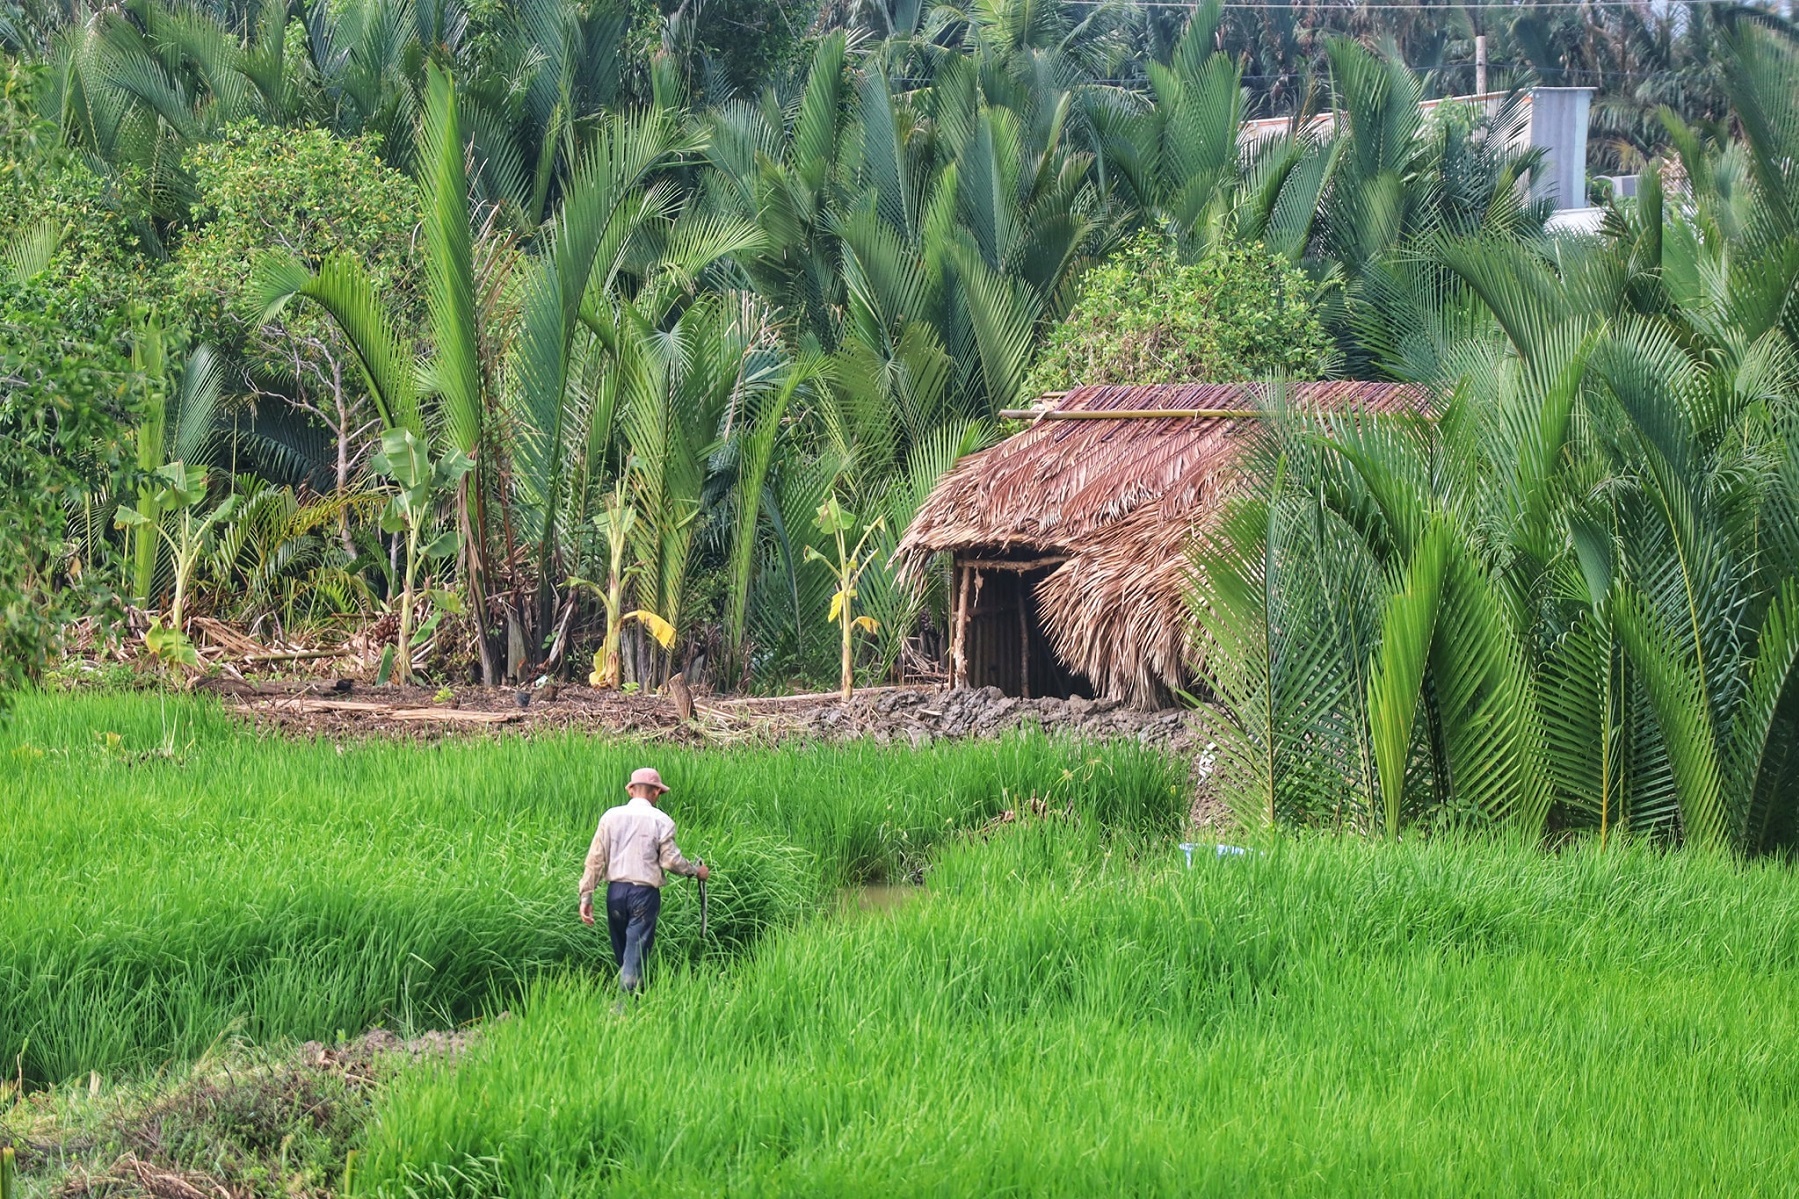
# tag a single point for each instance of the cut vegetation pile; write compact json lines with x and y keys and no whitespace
{"x":240,"y":1122}
{"x":910,"y":715}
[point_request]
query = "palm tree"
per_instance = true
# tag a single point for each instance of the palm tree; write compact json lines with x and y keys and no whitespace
{"x":1178,"y":154}
{"x":567,"y":403}
{"x":1573,"y":595}
{"x":443,"y":402}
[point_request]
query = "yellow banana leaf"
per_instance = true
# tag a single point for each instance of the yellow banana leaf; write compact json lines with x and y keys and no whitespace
{"x":660,"y":629}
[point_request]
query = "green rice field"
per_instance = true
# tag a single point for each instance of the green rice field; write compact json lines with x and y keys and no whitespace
{"x":171,"y":878}
{"x":1063,"y":1008}
{"x":1324,"y":1019}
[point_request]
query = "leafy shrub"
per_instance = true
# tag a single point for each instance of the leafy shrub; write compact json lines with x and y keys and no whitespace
{"x":65,"y":381}
{"x":1143,"y":317}
{"x":302,"y":190}
{"x":63,"y":412}
{"x":315,"y":195}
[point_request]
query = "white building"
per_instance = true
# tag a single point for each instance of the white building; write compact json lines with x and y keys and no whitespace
{"x":1553,"y":119}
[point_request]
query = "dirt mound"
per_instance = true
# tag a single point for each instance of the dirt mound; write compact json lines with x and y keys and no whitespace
{"x":919,"y":716}
{"x":351,"y":709}
{"x":908,"y":715}
{"x":904,"y":715}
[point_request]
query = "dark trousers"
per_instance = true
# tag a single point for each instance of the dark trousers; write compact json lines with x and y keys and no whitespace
{"x":631,"y":912}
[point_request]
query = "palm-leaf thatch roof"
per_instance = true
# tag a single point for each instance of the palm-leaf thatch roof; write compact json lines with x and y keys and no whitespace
{"x":1115,"y":504}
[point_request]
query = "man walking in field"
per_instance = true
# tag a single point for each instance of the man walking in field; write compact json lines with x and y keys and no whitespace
{"x":633,"y":851}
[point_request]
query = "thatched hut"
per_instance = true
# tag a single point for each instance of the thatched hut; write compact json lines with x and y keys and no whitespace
{"x":1070,"y":542}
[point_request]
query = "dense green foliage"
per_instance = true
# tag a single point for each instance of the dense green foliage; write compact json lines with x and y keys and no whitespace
{"x":1640,"y":60}
{"x":1142,"y":317}
{"x":65,"y":399}
{"x":1572,"y":599}
{"x":171,"y":877}
{"x":1050,"y":1020}
{"x":314,"y":195}
{"x":63,"y":409}
{"x":724,"y":291}
{"x":564,"y":248}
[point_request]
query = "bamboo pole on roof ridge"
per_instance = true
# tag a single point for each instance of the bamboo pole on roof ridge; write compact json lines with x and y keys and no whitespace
{"x":1026,"y":566}
{"x":1035,"y":414}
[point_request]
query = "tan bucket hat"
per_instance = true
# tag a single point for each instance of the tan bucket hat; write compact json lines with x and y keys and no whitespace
{"x":644,"y":776}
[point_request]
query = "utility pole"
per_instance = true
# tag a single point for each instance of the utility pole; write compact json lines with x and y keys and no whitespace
{"x":1480,"y":64}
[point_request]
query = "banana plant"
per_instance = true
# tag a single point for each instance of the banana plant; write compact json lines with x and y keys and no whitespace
{"x":176,"y":487}
{"x":412,"y":511}
{"x":619,"y":519}
{"x":179,"y":424}
{"x":835,"y":521}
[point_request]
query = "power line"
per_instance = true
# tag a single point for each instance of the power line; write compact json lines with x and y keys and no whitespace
{"x":1521,"y":6}
{"x":1514,"y":69}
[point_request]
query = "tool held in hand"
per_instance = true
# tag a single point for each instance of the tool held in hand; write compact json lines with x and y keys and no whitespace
{"x":702,"y":884}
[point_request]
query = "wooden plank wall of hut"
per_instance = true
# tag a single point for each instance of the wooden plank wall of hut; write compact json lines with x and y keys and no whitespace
{"x":1005,"y":627}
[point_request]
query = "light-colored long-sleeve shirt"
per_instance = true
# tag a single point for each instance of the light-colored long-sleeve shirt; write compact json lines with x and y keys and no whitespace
{"x":635,"y":843}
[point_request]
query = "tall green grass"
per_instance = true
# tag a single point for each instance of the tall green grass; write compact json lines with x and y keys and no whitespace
{"x":1060,"y":1016}
{"x":170,"y":877}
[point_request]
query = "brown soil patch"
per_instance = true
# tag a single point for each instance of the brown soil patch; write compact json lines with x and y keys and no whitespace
{"x":345,"y":708}
{"x":909,"y":715}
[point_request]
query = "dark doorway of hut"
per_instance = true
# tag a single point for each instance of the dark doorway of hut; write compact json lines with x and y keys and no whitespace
{"x":999,"y":639}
